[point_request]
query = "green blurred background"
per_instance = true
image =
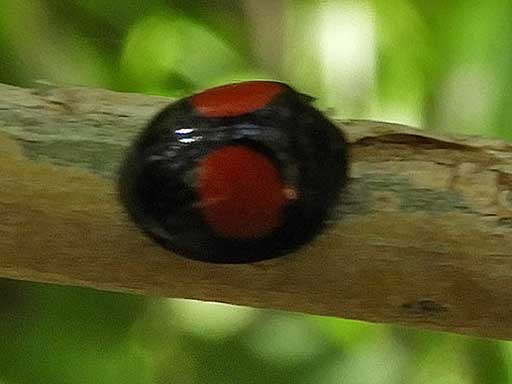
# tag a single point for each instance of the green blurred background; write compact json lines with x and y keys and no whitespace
{"x":441,"y":65}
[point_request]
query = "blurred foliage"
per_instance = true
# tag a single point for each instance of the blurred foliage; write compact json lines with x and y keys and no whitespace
{"x":442,"y":65}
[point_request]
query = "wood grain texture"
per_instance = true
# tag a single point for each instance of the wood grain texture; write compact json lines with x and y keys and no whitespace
{"x":423,"y":235}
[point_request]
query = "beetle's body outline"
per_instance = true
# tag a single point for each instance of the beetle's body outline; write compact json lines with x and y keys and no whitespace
{"x":158,"y":180}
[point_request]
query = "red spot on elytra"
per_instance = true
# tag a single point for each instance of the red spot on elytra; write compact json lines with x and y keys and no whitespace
{"x":235,"y":99}
{"x":241,"y":193}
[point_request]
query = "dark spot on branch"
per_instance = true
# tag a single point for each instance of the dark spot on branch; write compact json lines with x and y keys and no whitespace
{"x":424,"y":307}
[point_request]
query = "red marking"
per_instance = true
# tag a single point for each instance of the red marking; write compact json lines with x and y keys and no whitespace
{"x":235,"y":99}
{"x":241,"y":193}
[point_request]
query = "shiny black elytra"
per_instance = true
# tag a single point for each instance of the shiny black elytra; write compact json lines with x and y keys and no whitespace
{"x":235,"y":174}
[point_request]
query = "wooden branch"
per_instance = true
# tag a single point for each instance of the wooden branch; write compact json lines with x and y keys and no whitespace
{"x":423,"y":236}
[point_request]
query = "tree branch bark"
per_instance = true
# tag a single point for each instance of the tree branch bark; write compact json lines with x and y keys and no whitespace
{"x":422,"y":237}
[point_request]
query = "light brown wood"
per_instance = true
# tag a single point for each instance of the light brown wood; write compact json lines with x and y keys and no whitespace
{"x":422,"y":237}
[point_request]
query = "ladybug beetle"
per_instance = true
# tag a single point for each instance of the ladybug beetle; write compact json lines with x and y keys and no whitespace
{"x":235,"y":174}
